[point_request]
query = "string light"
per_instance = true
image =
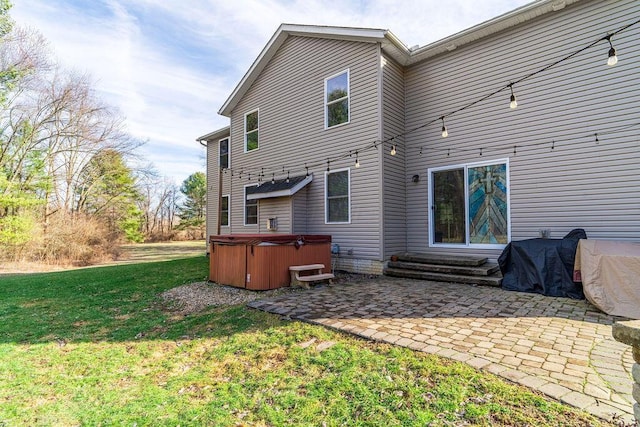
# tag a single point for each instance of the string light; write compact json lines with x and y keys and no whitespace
{"x":444,"y":128}
{"x":357,"y":164}
{"x":553,"y":145}
{"x":273,"y":178}
{"x":307,"y":168}
{"x":514,"y":103}
{"x":613,"y":58}
{"x":328,"y":165}
{"x":393,"y":150}
{"x":288,"y":177}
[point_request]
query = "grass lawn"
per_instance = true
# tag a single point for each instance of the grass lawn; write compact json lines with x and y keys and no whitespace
{"x":98,"y":347}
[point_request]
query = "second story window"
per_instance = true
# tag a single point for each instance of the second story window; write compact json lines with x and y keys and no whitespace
{"x":224,"y":153}
{"x":336,"y":99}
{"x":251,"y":125}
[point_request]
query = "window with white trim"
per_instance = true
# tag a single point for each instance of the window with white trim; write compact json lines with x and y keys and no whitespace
{"x":223,"y":153}
{"x":251,"y":131}
{"x":336,"y":99}
{"x":250,"y":209}
{"x":337,"y":186}
{"x":224,"y":211}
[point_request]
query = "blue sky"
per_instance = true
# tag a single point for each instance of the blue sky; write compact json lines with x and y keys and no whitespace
{"x":169,"y":65}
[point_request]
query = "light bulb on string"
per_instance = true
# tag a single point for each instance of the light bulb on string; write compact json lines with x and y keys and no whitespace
{"x":613,"y":58}
{"x":328,"y":165}
{"x":288,"y":177}
{"x":357,"y":164}
{"x":393,"y":150}
{"x":273,"y":178}
{"x":444,"y":128}
{"x":514,"y":103}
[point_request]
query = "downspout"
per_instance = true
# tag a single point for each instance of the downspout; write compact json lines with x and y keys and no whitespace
{"x":220,"y":200}
{"x":381,"y":156}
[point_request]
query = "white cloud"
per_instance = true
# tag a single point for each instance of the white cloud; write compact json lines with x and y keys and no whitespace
{"x":169,"y":66}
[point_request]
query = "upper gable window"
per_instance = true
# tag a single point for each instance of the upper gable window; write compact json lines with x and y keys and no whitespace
{"x":336,"y":99}
{"x":223,"y":161}
{"x":251,"y":125}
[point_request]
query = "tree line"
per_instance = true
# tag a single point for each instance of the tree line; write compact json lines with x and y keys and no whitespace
{"x":68,"y":192}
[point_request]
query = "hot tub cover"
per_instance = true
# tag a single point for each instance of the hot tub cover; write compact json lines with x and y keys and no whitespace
{"x":543,"y":266}
{"x":610,"y":274}
{"x":282,"y":239}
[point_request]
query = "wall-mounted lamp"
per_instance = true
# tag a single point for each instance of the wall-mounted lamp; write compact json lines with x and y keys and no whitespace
{"x":415,"y":178}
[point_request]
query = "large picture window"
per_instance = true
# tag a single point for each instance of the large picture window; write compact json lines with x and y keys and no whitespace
{"x":337,"y":196}
{"x":223,"y":153}
{"x":224,"y":211}
{"x":336,"y":99}
{"x":470,"y":205}
{"x":250,"y":210}
{"x":251,"y":131}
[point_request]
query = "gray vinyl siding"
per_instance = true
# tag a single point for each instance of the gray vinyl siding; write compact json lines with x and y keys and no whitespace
{"x":289,"y":94}
{"x":395,"y":177}
{"x":577,"y":184}
{"x":213,"y":172}
{"x":212,"y":189}
{"x":279,"y":208}
{"x":299,"y":213}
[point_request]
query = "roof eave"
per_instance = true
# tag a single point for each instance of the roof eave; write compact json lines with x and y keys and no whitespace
{"x":282,"y":193}
{"x":390,"y":43}
{"x":215,"y":135}
{"x":370,"y":35}
{"x":507,"y":20}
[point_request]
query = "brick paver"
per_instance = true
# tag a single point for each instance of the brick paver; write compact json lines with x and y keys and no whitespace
{"x":558,"y":346}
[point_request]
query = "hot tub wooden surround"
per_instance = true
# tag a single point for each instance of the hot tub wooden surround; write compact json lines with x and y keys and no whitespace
{"x":262,"y":261}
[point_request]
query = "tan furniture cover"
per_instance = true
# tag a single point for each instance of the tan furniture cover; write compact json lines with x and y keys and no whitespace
{"x":610,"y":273}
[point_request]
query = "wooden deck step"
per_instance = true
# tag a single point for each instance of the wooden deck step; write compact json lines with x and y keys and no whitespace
{"x":486,"y":269}
{"x":493,"y":280}
{"x":440,"y":259}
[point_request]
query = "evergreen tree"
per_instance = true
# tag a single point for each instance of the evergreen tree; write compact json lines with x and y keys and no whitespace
{"x":193,"y":210}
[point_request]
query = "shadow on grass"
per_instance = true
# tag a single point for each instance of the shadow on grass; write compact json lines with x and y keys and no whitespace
{"x":122,"y":303}
{"x":116,"y":303}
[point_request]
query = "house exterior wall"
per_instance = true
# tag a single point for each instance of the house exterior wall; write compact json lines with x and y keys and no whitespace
{"x":212,"y":188}
{"x":278,"y":208}
{"x":573,"y":182}
{"x":213,"y":173}
{"x":289,"y":94}
{"x":299,"y":207}
{"x":395,"y":178}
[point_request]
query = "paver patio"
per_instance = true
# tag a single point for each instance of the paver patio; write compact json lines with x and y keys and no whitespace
{"x":558,"y":346}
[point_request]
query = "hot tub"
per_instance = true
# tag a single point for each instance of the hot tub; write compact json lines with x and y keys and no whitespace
{"x":262,"y":261}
